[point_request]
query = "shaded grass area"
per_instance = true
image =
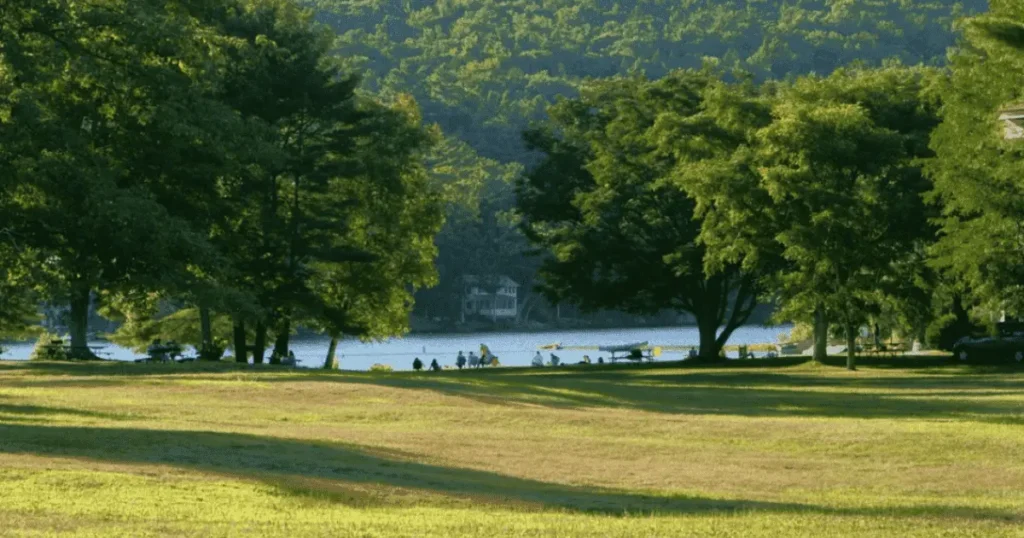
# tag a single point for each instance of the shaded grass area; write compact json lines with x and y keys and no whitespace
{"x":312,"y":469}
{"x":770,"y":388}
{"x":307,"y":468}
{"x":905,"y":446}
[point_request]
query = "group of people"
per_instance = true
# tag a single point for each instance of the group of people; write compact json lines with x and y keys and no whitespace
{"x":417,"y":365}
{"x":486,"y":358}
{"x":538,"y":360}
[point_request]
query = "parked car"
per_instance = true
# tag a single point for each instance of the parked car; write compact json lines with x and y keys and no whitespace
{"x":990,"y":349}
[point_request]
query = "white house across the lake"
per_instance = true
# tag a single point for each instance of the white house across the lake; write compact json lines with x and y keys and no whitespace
{"x":496,"y":298}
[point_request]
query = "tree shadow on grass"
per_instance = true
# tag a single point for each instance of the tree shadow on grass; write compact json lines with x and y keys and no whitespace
{"x":734,"y":390}
{"x":41,"y":413}
{"x":120,"y":372}
{"x":363,"y":477}
{"x":739,"y":393}
{"x":342,"y":473}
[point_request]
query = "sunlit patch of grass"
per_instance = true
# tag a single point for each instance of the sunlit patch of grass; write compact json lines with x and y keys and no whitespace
{"x":222,"y":450}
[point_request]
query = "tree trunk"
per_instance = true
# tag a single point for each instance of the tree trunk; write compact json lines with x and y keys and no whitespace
{"x":522,"y":312}
{"x":820,"y":334}
{"x":259,"y":347}
{"x":79,"y":323}
{"x":709,"y":348}
{"x":851,"y":347}
{"x":284,"y":329}
{"x":241,"y":353}
{"x":332,"y":362}
{"x":206,"y":330}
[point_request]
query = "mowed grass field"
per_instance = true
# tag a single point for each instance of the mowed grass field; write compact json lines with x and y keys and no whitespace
{"x":906,"y":447}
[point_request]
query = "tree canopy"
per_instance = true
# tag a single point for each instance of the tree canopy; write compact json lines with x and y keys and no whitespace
{"x":483,"y":69}
{"x":604,"y":203}
{"x":977,"y":173}
{"x":212,"y":154}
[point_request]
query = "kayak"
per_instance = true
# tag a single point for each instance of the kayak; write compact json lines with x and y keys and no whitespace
{"x":552,"y":347}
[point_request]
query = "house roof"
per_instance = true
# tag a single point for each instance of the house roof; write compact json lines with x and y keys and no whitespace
{"x":504,"y":280}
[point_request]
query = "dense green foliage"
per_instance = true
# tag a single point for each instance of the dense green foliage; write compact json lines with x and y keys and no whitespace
{"x":620,"y":232}
{"x":483,"y":68}
{"x":689,"y":193}
{"x":235,"y":169}
{"x":978,"y":174}
{"x":841,"y":167}
{"x":210,"y":154}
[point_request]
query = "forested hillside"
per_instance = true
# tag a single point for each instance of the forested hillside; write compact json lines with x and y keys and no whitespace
{"x":483,"y":69}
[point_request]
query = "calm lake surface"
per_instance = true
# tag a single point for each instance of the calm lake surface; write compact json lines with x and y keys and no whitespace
{"x":512,"y":349}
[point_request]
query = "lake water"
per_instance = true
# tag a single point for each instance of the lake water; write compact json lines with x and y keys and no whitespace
{"x":512,"y":349}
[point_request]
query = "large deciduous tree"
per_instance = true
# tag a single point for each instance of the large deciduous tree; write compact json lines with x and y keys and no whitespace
{"x":395,"y":214}
{"x":345,"y":181}
{"x":609,"y":202}
{"x":111,"y":112}
{"x":977,"y":172}
{"x":840,"y":164}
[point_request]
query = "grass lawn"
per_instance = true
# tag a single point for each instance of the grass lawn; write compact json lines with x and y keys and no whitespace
{"x":905,"y":447}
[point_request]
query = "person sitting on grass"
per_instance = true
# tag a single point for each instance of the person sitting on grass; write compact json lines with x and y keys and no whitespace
{"x":474,"y":361}
{"x":434,"y":366}
{"x":460,"y":361}
{"x":290,"y":359}
{"x":555,"y":360}
{"x":586,"y":359}
{"x":538,"y":360}
{"x":600,"y":360}
{"x":417,"y":364}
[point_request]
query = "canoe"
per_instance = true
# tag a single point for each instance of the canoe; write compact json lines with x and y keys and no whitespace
{"x":552,"y":347}
{"x":623,"y":347}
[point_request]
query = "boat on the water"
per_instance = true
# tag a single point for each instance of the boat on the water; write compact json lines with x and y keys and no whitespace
{"x":623,"y":348}
{"x":552,"y":347}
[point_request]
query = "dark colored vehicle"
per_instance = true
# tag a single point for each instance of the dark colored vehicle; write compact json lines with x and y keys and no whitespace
{"x":995,"y":349}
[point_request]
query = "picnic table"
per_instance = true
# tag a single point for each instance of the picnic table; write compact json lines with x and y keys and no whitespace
{"x":886,"y":348}
{"x":163,"y":353}
{"x":639,"y":352}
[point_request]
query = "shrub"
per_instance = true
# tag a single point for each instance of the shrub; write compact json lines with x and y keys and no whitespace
{"x":49,"y":347}
{"x":381,"y":368}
